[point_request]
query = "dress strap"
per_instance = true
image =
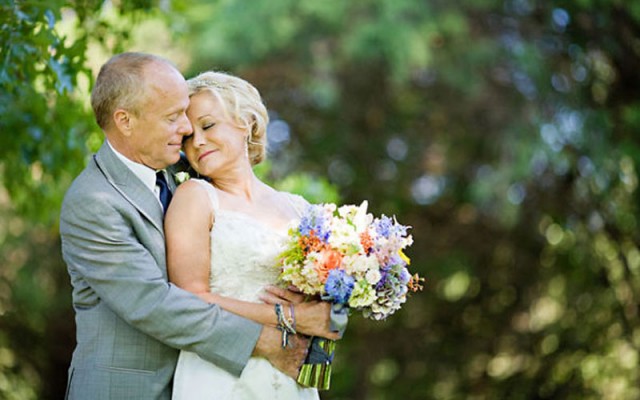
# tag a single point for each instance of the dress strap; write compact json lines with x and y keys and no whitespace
{"x":298,"y":203}
{"x":211,"y":191}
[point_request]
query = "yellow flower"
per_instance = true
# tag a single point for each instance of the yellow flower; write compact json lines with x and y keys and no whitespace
{"x":404,"y":257}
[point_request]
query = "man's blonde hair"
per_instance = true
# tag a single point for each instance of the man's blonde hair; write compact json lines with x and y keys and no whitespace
{"x":121,"y":84}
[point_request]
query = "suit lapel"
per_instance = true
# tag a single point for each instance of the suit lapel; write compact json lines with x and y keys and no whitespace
{"x":171,"y":181}
{"x":130,"y":186}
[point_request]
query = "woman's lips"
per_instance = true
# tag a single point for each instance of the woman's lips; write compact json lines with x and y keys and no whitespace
{"x":206,"y":153}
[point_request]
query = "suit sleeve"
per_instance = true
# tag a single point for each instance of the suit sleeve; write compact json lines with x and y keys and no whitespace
{"x":106,"y":245}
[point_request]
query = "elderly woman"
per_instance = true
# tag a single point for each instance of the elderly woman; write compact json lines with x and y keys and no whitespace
{"x":224,"y":234}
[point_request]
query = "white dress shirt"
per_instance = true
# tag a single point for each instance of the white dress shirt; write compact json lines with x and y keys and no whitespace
{"x":145,"y":174}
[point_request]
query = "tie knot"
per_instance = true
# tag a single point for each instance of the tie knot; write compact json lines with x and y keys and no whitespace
{"x":165,"y":193}
{"x":160,"y":178}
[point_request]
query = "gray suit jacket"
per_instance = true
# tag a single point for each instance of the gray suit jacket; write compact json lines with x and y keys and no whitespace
{"x":130,"y":321}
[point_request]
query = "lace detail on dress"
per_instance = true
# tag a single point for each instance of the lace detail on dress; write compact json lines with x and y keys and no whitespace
{"x":244,"y":255}
{"x":244,"y":251}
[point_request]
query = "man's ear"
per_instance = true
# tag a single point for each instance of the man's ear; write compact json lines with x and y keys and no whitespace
{"x":123,"y":121}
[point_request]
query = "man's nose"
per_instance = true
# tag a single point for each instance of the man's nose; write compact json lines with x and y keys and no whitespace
{"x":185,"y":126}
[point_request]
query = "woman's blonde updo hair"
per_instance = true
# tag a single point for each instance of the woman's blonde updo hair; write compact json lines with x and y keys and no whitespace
{"x":242,"y":104}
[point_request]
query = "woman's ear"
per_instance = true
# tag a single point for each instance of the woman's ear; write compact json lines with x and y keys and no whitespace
{"x":123,"y":121}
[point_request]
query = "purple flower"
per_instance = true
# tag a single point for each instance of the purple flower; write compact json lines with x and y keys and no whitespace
{"x":394,"y":260}
{"x":394,"y":277}
{"x":315,"y":220}
{"x":384,"y":272}
{"x":339,"y":286}
{"x":388,"y":227}
{"x":405,"y":276}
{"x":383,"y":226}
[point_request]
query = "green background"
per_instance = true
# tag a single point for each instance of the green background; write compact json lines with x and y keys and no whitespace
{"x":504,"y":132}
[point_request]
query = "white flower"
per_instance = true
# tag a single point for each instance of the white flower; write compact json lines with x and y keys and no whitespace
{"x":357,"y":217}
{"x":363,"y":295}
{"x":362,"y":219}
{"x":344,"y":238}
{"x":373,"y":276}
{"x":304,"y":276}
{"x":359,"y":265}
{"x":181,"y":177}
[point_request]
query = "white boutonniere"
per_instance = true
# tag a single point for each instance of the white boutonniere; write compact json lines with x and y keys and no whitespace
{"x":181,"y":177}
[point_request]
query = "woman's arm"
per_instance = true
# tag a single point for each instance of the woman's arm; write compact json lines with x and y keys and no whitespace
{"x":311,"y":317}
{"x":188,"y":224}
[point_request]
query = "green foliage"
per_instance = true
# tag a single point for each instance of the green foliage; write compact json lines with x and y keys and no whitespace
{"x":41,"y":143}
{"x":46,"y":121}
{"x":47,"y":131}
{"x":503,"y":132}
{"x":314,"y":189}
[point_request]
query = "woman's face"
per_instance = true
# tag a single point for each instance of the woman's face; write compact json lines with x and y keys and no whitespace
{"x":217,"y":145}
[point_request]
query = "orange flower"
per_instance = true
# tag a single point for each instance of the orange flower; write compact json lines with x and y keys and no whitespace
{"x":310,"y":243}
{"x":366,"y":242}
{"x":415,"y":283}
{"x":331,"y":259}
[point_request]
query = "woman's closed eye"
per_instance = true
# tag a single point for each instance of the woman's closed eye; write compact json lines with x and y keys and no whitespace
{"x":208,"y":125}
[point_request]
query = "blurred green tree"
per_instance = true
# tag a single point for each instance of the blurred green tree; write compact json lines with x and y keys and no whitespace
{"x":47,"y":135}
{"x":503,"y":131}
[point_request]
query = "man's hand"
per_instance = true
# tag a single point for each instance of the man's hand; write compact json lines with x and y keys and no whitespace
{"x":288,"y":359}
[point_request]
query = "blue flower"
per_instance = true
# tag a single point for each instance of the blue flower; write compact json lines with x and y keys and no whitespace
{"x":394,"y":260}
{"x":383,"y":280}
{"x":388,"y":227}
{"x":405,"y":276}
{"x":395,"y":278}
{"x":315,"y":220}
{"x":383,"y":226}
{"x":339,"y":286}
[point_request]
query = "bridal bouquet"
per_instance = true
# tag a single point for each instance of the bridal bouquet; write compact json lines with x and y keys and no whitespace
{"x":354,"y":260}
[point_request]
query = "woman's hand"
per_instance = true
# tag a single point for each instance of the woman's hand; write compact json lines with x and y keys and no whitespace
{"x":312,"y":317}
{"x":274,"y":295}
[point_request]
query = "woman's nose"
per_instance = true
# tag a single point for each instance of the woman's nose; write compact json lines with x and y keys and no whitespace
{"x":198,"y":138}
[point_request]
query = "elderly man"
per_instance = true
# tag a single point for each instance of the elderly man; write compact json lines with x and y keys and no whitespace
{"x":131,"y":322}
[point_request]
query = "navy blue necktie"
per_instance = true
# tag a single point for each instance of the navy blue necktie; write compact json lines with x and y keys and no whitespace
{"x":165,"y":193}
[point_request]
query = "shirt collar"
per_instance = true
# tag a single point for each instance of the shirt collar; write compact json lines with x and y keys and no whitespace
{"x":145,"y":174}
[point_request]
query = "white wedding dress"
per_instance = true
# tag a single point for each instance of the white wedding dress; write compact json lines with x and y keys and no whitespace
{"x":243,"y":258}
